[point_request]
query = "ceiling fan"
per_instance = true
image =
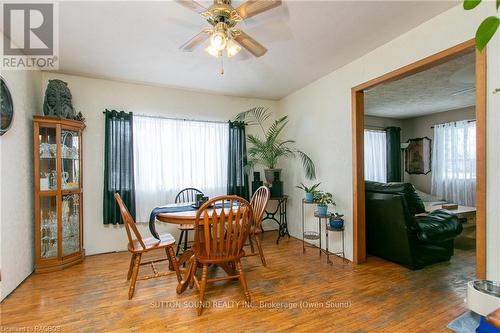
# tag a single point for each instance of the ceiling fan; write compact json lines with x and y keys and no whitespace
{"x":223,"y":33}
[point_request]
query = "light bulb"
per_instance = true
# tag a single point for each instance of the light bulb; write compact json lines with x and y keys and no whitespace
{"x":232,"y":48}
{"x":212,"y":51}
{"x":218,"y":40}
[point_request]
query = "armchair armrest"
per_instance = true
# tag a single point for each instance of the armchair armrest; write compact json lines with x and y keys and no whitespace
{"x":438,"y":226}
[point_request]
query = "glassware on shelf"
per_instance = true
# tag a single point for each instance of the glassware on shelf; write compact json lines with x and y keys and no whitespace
{"x":70,"y":224}
{"x":48,"y":232}
{"x":47,"y":162}
{"x":70,"y":160}
{"x":48,"y":180}
{"x":69,"y":152}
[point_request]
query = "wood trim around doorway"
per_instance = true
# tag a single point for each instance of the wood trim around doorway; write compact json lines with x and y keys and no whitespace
{"x":359,"y":231}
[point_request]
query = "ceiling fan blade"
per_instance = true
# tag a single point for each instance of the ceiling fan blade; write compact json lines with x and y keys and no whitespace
{"x":249,"y":43}
{"x":193,"y":5}
{"x":254,"y":7}
{"x":194,"y":42}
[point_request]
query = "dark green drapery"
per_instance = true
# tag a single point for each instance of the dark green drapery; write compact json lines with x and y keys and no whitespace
{"x":393,"y":143}
{"x":118,"y":165}
{"x":237,"y":178}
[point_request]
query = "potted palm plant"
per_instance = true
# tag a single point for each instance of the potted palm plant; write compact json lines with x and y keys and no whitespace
{"x":309,"y":191}
{"x":323,"y":199}
{"x":270,"y":148}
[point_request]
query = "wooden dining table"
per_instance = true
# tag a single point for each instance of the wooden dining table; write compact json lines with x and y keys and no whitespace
{"x":184,"y":218}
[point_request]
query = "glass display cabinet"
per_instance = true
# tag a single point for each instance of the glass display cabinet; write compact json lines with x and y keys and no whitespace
{"x":58,"y":193}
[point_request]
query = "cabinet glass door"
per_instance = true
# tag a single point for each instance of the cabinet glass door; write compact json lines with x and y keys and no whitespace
{"x":47,"y":158}
{"x":48,"y":226}
{"x":70,"y":156}
{"x":70,"y":224}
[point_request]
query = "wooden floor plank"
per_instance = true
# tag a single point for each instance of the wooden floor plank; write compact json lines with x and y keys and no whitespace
{"x":296,"y":292}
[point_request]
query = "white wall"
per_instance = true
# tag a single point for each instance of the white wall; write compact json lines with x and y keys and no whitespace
{"x":91,"y":97}
{"x":16,"y":174}
{"x":320,"y":116}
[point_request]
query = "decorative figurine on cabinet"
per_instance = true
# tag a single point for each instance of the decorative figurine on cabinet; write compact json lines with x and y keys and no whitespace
{"x":58,"y":100}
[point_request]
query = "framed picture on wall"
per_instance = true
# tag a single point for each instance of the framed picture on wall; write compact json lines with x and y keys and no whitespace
{"x":6,"y":107}
{"x":418,"y":156}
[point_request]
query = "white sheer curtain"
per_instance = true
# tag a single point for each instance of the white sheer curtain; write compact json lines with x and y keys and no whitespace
{"x":170,"y":155}
{"x":375,"y":156}
{"x":454,"y":162}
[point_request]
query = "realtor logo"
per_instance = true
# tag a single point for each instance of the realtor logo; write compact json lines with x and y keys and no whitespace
{"x":29,"y":38}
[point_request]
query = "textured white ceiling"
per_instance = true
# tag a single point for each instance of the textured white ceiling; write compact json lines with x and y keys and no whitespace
{"x":448,"y":86}
{"x":139,"y":42}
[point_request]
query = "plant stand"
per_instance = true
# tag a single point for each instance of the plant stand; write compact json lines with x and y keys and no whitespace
{"x":316,"y":235}
{"x":338,"y":254}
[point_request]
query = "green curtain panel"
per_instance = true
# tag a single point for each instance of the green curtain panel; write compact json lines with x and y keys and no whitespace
{"x":393,"y":142}
{"x":118,"y":165}
{"x":237,"y":178}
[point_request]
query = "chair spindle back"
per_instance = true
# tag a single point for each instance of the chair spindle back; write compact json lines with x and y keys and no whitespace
{"x":259,"y":202}
{"x":221,"y":227}
{"x":129,"y":222}
{"x":187,"y":195}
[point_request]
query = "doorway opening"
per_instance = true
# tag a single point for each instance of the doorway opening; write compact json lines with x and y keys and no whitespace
{"x":424,"y":68}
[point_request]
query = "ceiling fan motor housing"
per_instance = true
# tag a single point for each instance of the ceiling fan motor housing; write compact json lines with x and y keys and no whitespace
{"x":222,"y":11}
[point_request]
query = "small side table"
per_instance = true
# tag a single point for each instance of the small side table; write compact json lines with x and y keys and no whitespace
{"x":338,"y":254}
{"x":309,"y":234}
{"x":281,"y":220}
{"x":316,"y":235}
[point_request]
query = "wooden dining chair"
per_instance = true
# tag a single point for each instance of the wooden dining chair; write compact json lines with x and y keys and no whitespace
{"x":258,"y":202}
{"x":220,"y":234}
{"x":138,"y":246}
{"x":185,"y":195}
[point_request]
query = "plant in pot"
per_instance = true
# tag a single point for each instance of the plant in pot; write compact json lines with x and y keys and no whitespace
{"x":269,"y":149}
{"x":323,"y":199}
{"x":309,"y":191}
{"x":337,"y":221}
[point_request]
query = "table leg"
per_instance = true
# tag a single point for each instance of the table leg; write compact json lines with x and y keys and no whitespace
{"x":303,"y":217}
{"x":319,"y":234}
{"x":326,"y":240}
{"x":343,"y":251}
{"x":188,"y":273}
{"x":283,"y":223}
{"x":185,"y":257}
{"x":280,"y":223}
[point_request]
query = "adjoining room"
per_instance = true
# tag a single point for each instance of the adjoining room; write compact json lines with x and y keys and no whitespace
{"x":420,"y":131}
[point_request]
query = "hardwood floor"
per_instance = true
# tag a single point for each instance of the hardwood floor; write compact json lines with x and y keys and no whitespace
{"x":294,"y":292}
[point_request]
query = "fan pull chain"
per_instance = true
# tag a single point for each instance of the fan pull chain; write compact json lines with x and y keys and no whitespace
{"x":222,"y":64}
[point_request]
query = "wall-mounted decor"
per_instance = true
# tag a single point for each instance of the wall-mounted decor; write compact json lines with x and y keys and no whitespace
{"x":7,"y":108}
{"x":58,"y":100}
{"x":418,"y":156}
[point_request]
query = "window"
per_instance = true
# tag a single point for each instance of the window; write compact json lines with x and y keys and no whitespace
{"x":454,"y":162}
{"x":375,"y":156}
{"x":170,"y":155}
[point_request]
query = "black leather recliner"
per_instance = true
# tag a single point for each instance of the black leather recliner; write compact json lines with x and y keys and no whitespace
{"x":393,"y":232}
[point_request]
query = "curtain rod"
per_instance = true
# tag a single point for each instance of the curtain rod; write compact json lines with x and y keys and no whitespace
{"x":454,"y":122}
{"x":375,"y":128}
{"x":179,"y":119}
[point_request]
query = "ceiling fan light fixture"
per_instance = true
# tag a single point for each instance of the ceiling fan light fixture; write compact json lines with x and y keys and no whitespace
{"x":218,"y":41}
{"x":232,"y":48}
{"x":213,"y":51}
